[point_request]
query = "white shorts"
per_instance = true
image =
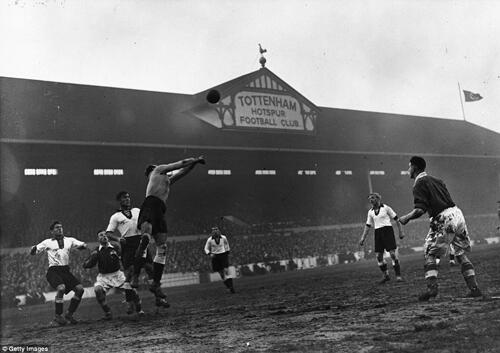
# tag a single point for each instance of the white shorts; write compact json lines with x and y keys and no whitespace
{"x":111,"y":280}
{"x":448,"y":231}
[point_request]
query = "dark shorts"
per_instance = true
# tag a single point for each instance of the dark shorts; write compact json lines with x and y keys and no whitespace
{"x":384,"y":239}
{"x":129,"y":246}
{"x":153,"y":211}
{"x":220,"y":262}
{"x":57,"y":275}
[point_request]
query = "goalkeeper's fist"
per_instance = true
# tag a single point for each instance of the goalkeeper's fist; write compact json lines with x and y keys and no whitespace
{"x":200,"y":160}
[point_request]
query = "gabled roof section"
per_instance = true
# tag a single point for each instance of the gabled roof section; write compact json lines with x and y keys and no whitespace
{"x":259,"y":101}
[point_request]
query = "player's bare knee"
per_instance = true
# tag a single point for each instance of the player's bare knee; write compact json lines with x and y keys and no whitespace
{"x":430,"y":260}
{"x":462,"y":259}
{"x":100,"y":293}
{"x":79,"y":291}
{"x":161,"y":249}
{"x":61,"y":289}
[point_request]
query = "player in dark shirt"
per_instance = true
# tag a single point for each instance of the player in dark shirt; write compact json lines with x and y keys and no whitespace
{"x":447,"y":228}
{"x":107,"y":259}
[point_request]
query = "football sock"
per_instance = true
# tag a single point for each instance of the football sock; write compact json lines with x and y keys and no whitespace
{"x":73,"y":304}
{"x":157,"y":272}
{"x":397,"y":268}
{"x":383,"y":268}
{"x":129,"y":295}
{"x":106,"y":308}
{"x":138,"y":263}
{"x":59,"y":306}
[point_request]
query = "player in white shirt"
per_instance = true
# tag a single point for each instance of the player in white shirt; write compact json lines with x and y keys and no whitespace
{"x":379,"y":217}
{"x":58,"y":275}
{"x":125,"y":222}
{"x":217,"y":247}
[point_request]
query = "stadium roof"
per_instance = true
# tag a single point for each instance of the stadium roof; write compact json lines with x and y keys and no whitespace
{"x":49,"y":112}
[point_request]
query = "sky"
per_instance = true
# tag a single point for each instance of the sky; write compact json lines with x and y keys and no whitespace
{"x":403,"y":57}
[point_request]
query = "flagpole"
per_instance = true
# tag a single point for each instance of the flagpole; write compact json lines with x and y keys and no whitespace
{"x":461,"y":101}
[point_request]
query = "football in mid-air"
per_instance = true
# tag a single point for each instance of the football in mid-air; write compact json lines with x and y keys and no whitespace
{"x":213,"y":96}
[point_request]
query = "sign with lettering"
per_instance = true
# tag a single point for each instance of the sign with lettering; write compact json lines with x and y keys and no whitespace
{"x":259,"y":102}
{"x":267,"y":110}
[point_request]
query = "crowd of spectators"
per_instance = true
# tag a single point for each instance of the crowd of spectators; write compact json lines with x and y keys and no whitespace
{"x":25,"y":274}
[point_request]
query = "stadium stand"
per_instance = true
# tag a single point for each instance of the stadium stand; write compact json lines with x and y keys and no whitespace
{"x":68,"y":148}
{"x":77,"y":129}
{"x":24,"y":274}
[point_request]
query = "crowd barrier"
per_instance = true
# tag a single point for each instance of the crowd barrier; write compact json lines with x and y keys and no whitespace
{"x":168,"y":280}
{"x":183,"y":279}
{"x":492,"y":240}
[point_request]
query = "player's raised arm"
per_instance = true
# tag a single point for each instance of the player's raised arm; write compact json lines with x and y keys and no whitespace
{"x":178,"y":174}
{"x":165,"y":168}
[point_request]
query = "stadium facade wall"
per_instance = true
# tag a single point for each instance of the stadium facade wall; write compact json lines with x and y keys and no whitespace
{"x":78,"y":128}
{"x":61,"y":112}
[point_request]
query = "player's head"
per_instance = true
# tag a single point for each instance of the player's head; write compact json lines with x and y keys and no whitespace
{"x":149,"y":169}
{"x":123,"y":197}
{"x":215,"y":231}
{"x":417,"y":166}
{"x":102,"y":237}
{"x":374,"y":198}
{"x":56,"y":229}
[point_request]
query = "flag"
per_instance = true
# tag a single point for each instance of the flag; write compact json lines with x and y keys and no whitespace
{"x":471,"y":96}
